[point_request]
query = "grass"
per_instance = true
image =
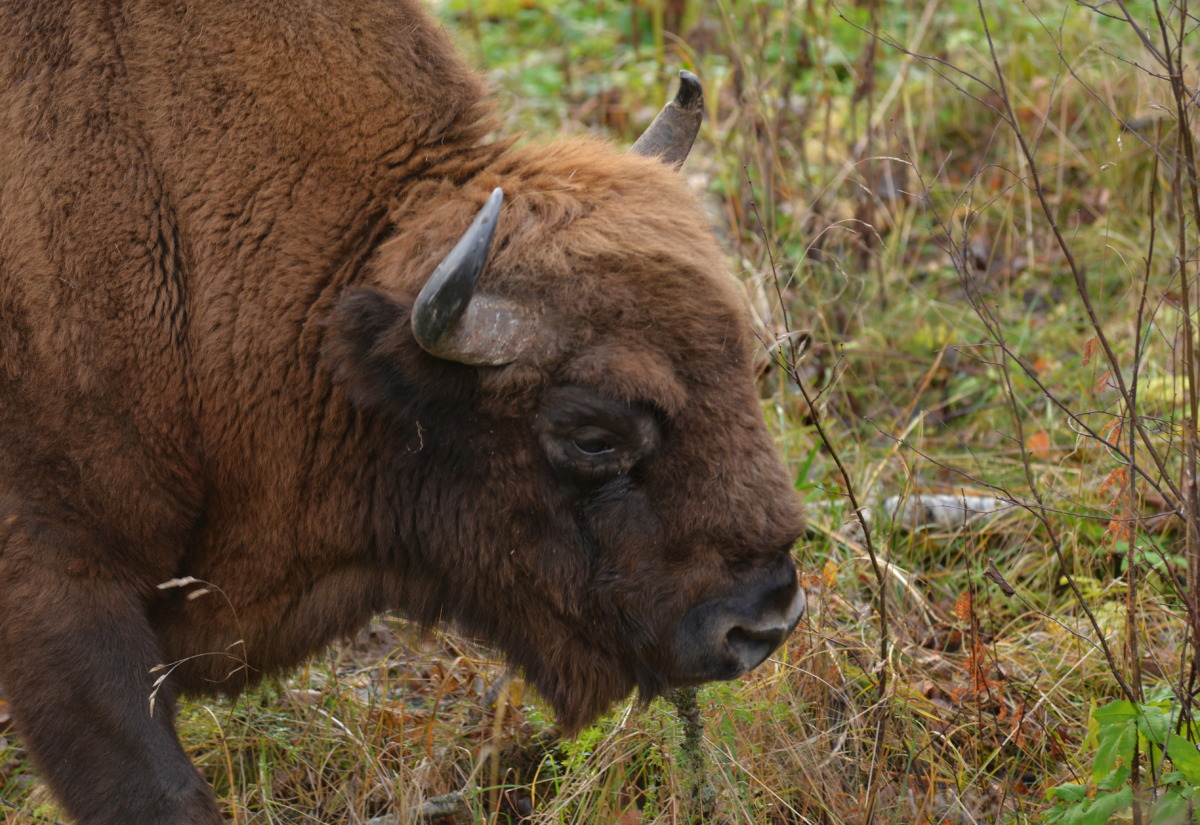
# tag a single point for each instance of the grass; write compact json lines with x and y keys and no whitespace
{"x":928,"y":335}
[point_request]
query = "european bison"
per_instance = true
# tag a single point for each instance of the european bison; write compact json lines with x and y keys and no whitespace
{"x":241,"y":343}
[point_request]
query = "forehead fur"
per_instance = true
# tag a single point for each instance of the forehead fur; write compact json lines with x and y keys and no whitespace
{"x":615,"y":255}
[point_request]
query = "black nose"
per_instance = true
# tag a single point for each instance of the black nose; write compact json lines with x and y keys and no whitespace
{"x":752,"y":642}
{"x":725,"y":637}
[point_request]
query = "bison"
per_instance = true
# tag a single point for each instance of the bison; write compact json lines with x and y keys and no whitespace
{"x":289,"y":337}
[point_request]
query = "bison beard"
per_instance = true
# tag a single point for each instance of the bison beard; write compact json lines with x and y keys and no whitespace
{"x":281,"y":328}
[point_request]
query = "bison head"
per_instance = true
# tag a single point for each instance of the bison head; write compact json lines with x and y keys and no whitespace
{"x":577,"y":468}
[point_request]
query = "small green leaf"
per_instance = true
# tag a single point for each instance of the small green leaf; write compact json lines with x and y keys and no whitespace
{"x":1107,"y":805}
{"x":1116,"y":712}
{"x":1171,"y":808}
{"x":1154,"y":723}
{"x":1185,"y":758}
{"x":1113,"y":742}
{"x":1068,"y":793}
{"x":1052,"y":816}
{"x":1118,"y":777}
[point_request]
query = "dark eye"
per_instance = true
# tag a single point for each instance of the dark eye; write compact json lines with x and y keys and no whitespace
{"x":593,"y":445}
{"x":589,"y":439}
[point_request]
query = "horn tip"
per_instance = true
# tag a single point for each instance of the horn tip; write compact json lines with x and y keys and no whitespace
{"x":691,"y":93}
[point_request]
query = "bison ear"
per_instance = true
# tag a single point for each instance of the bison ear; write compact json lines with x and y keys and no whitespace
{"x":452,"y":322}
{"x":368,"y":345}
{"x":671,"y":135}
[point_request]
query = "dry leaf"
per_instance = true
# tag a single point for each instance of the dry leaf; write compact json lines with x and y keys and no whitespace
{"x":962,"y":607}
{"x":994,"y":575}
{"x":1089,"y":349}
{"x":1119,"y":530}
{"x":829,"y":573}
{"x":1116,"y":480}
{"x":1039,"y":444}
{"x":632,"y":816}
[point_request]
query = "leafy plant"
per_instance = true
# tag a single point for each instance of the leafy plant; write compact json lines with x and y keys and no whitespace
{"x":1133,"y":743}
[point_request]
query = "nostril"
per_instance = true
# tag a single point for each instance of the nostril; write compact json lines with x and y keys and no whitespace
{"x":752,"y":646}
{"x":743,"y":637}
{"x":752,"y":643}
{"x":727,"y":636}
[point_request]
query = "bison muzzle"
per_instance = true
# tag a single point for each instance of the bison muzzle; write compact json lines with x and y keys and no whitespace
{"x":289,"y":338}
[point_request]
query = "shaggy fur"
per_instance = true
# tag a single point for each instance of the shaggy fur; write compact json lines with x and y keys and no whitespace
{"x":214,"y":219}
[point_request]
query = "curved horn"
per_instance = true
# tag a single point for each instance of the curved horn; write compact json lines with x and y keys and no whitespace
{"x":672,"y":133}
{"x":450,"y":321}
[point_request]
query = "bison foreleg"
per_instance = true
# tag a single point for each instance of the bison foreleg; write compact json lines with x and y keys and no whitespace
{"x":75,"y":657}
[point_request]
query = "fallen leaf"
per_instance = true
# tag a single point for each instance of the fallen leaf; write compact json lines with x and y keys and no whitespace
{"x":829,"y":573}
{"x":1039,"y":444}
{"x":632,"y":816}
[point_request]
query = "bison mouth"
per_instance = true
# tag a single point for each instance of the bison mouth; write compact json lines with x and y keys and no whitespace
{"x":719,"y":638}
{"x":724,"y":637}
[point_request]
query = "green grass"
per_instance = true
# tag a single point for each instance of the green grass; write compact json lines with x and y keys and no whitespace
{"x":884,"y":223}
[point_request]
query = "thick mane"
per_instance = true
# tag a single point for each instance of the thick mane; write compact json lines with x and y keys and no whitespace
{"x":587,"y":234}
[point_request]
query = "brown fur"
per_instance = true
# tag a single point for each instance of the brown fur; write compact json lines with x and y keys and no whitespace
{"x":214,"y":218}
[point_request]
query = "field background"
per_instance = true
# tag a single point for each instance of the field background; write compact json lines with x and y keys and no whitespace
{"x":968,"y":236}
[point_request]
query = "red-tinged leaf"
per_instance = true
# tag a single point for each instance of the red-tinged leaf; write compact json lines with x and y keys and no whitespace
{"x":1119,"y":530}
{"x":962,"y":607}
{"x":1102,"y":383}
{"x":1089,"y":349}
{"x":809,"y":580}
{"x":977,"y":664}
{"x":1039,"y":444}
{"x":1115,"y":480}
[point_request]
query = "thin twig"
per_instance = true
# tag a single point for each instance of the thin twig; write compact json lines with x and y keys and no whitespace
{"x":790,"y":365}
{"x":1081,"y":289}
